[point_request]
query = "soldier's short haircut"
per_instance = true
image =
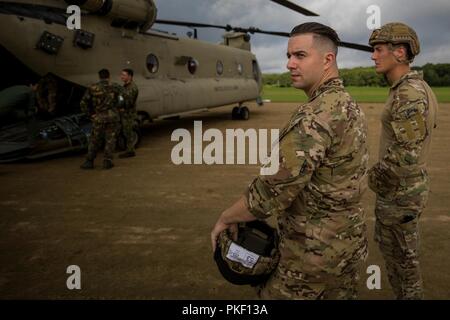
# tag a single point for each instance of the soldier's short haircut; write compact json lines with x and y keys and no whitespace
{"x":409,"y":55}
{"x":103,"y":74}
{"x":320,"y":33}
{"x":129,"y":71}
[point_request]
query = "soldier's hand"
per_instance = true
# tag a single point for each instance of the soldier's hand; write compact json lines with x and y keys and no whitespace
{"x":218,"y":228}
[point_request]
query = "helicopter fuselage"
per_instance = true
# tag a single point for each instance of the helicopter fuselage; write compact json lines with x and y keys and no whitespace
{"x":174,"y":75}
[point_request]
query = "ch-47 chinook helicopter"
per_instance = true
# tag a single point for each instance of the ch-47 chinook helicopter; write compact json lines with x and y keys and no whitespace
{"x":175,"y":75}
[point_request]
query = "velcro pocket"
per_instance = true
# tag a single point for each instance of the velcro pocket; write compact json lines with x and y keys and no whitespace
{"x":410,"y":130}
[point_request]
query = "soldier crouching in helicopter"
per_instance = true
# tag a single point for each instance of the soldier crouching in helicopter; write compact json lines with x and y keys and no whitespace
{"x":17,"y":103}
{"x":100,"y":103}
{"x":128,"y":113}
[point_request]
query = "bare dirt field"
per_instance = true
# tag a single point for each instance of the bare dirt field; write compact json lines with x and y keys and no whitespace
{"x":141,"y":230}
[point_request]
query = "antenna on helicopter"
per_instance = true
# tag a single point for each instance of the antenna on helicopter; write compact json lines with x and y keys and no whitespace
{"x":193,"y":33}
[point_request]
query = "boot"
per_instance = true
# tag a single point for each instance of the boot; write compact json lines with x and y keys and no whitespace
{"x":107,"y":164}
{"x":127,"y":154}
{"x":88,"y":164}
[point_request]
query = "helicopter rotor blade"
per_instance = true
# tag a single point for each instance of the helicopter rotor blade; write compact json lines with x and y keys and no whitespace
{"x":193,"y":24}
{"x":254,"y":30}
{"x":350,"y":45}
{"x":227,"y":27}
{"x":355,"y":46}
{"x":296,"y":8}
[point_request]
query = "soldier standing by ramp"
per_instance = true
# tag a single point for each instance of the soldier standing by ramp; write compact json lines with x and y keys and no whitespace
{"x":100,"y":104}
{"x":400,"y":178}
{"x":46,"y":94}
{"x":316,"y":194}
{"x":128,"y":113}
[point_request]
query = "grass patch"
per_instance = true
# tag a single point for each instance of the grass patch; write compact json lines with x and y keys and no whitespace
{"x":360,"y":94}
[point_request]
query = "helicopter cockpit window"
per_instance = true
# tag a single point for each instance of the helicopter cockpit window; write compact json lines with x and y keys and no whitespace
{"x":192,"y":65}
{"x":152,"y":63}
{"x":256,"y":71}
{"x":219,"y":67}
{"x":240,"y":69}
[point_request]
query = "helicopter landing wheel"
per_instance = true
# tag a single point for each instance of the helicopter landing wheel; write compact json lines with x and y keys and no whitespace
{"x":235,"y":113}
{"x":240,"y":113}
{"x":244,"y":113}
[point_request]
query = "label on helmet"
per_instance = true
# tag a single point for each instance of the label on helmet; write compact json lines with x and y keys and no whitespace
{"x":239,"y":254}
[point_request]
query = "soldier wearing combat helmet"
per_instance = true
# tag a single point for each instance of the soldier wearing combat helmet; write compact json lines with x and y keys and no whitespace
{"x":400,"y":178}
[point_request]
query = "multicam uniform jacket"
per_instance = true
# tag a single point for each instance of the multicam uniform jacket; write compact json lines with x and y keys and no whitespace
{"x":316,"y":194}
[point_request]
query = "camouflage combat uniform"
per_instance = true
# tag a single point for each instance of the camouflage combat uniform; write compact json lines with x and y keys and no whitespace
{"x":401,"y":181}
{"x":46,"y":92}
{"x":316,"y":197}
{"x":100,"y":103}
{"x":129,"y":115}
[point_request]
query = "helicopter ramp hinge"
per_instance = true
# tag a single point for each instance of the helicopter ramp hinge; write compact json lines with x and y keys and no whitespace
{"x":83,"y":39}
{"x":49,"y":42}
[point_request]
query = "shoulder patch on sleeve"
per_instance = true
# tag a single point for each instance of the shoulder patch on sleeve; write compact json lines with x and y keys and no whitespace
{"x":411,"y":129}
{"x":409,"y":100}
{"x":304,"y":145}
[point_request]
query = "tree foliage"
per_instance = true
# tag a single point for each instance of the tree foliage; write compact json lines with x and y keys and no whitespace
{"x":437,"y":75}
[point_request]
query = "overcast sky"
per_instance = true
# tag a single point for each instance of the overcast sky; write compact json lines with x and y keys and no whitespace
{"x":430,"y":19}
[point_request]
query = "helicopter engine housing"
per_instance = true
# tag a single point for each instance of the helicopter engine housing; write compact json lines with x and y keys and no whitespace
{"x":130,"y":13}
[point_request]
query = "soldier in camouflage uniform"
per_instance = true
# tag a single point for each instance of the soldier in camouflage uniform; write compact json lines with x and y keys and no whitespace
{"x":400,"y":178}
{"x":128,"y":113}
{"x":46,"y":93}
{"x":100,"y":103}
{"x":316,"y":194}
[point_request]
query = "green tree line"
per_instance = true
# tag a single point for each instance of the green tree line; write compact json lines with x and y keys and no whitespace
{"x":436,"y":75}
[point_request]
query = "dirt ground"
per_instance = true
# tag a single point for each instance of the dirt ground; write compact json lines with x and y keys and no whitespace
{"x":141,"y":230}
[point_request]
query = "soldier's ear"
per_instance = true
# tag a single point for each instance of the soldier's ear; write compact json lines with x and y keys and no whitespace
{"x":400,"y":53}
{"x":329,"y":60}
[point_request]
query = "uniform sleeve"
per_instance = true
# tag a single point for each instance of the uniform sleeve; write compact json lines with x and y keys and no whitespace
{"x":85,"y":102}
{"x":120,"y":95}
{"x":409,"y":115}
{"x":135,"y":94}
{"x":131,"y":97}
{"x":302,"y":150}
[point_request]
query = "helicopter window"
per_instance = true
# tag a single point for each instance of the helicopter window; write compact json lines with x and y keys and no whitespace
{"x":256,"y":71}
{"x":219,"y":67}
{"x":192,"y":65}
{"x":152,"y":63}
{"x":240,"y":69}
